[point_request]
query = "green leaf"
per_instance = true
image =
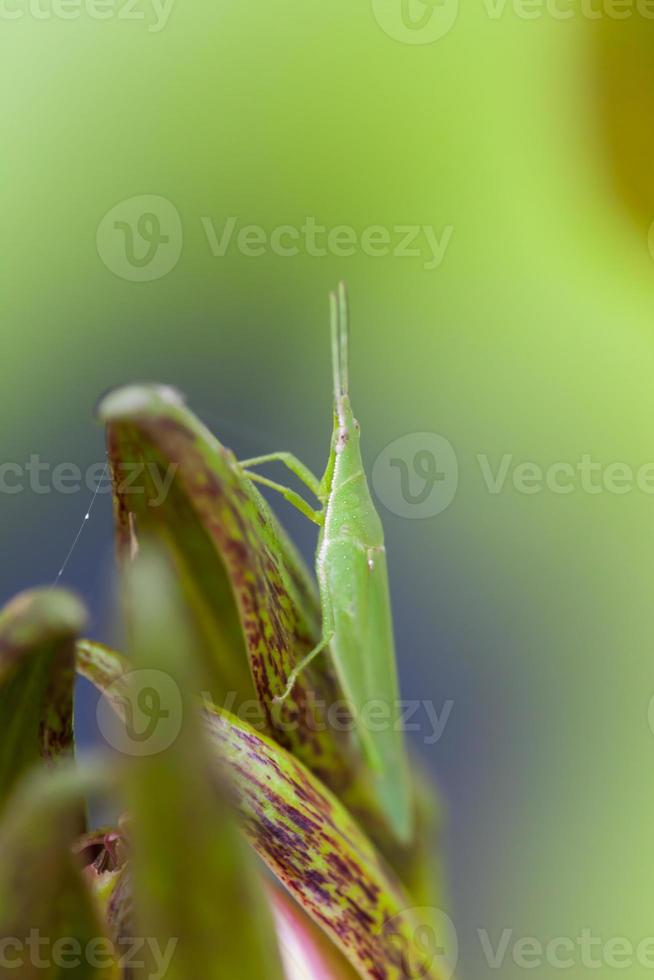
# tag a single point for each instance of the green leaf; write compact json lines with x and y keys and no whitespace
{"x":196,"y":890}
{"x":47,"y":914}
{"x":37,"y":653}
{"x":306,"y":837}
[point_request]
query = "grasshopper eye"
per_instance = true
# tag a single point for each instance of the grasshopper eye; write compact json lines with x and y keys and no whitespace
{"x":342,"y":439}
{"x":357,"y":427}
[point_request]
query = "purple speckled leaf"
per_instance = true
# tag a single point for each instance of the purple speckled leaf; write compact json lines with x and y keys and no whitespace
{"x":308,"y":839}
{"x":37,"y":652}
{"x":314,"y":847}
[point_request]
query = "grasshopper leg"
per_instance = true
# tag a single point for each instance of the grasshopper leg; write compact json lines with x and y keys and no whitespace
{"x":293,"y":498}
{"x":292,"y":463}
{"x":295,"y":673}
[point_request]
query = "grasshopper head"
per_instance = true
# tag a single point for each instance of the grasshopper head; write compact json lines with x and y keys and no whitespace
{"x":347,"y":431}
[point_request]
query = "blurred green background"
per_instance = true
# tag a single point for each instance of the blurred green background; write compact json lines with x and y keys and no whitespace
{"x":531,"y":138}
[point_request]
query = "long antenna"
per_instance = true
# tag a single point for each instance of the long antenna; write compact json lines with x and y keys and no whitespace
{"x":344,"y":334}
{"x":336,"y":346}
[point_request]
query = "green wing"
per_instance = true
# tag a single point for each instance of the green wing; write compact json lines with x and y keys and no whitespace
{"x":356,"y":602}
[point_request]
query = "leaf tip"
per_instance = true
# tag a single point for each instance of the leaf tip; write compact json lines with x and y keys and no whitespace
{"x":137,"y":399}
{"x":55,"y":612}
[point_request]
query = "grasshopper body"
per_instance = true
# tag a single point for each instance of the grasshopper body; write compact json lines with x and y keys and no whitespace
{"x":354,"y":594}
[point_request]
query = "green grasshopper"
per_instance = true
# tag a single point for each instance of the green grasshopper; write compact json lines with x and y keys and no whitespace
{"x":353,"y":583}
